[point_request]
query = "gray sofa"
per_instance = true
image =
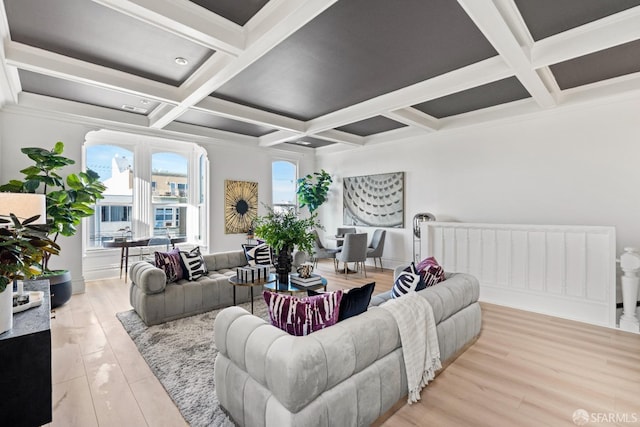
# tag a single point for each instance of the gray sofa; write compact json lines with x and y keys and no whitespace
{"x":348,"y":374}
{"x":155,"y":301}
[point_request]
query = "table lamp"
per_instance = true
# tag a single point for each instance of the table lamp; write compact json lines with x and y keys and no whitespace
{"x":23,"y":206}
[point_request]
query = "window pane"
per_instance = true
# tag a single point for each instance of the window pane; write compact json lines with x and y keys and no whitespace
{"x":170,"y":175}
{"x":115,"y":167}
{"x":283,"y":176}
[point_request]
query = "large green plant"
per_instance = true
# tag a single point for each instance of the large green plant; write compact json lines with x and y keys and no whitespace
{"x":68,"y":199}
{"x":22,"y":248}
{"x":287,"y":229}
{"x":313,"y":189}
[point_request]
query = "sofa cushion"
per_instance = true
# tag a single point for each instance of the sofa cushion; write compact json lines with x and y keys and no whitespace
{"x":170,"y":263}
{"x":302,"y":316}
{"x":353,"y":302}
{"x":409,"y":280}
{"x":194,"y":266}
{"x":432,"y":273}
{"x":260,"y":254}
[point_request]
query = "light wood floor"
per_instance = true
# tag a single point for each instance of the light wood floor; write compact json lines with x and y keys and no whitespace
{"x":525,"y":369}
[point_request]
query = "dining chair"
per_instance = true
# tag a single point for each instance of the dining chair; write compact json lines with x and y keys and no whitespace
{"x":146,"y":252}
{"x":354,"y":250}
{"x":341,"y":233}
{"x":376,"y":247}
{"x":321,"y":252}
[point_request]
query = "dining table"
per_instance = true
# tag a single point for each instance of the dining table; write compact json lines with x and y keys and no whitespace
{"x":125,"y":244}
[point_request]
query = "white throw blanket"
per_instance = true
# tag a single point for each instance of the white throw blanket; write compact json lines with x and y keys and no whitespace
{"x":419,"y":338}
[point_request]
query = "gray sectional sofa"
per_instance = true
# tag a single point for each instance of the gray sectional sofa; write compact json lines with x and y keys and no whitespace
{"x":155,"y":301}
{"x":348,"y":374}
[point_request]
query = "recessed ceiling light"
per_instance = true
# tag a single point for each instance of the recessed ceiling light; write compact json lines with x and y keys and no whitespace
{"x":302,"y":142}
{"x":144,"y":102}
{"x":134,"y":109}
{"x":181,"y":61}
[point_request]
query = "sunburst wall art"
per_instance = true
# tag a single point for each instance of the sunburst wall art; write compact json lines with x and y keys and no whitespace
{"x":240,"y":205}
{"x":374,"y":200}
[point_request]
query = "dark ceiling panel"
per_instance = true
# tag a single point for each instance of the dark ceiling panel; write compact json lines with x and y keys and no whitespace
{"x":238,"y":11}
{"x":310,"y":142}
{"x":605,"y":64}
{"x":371,"y":126}
{"x":356,"y":50}
{"x":72,"y":91}
{"x":88,"y":31}
{"x":476,"y":98}
{"x":222,"y":123}
{"x":548,"y":17}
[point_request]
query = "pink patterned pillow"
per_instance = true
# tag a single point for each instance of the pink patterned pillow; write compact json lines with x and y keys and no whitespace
{"x":431,"y":272}
{"x":301,"y":316}
{"x":170,"y":263}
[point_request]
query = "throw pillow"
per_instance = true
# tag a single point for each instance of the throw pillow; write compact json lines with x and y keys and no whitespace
{"x":302,"y":316}
{"x":170,"y":263}
{"x":258,"y":254}
{"x":354,"y":302}
{"x":409,"y":280}
{"x":194,"y":265}
{"x":431,"y":272}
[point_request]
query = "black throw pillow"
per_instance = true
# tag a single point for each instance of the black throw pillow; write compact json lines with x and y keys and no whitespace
{"x":353,"y":302}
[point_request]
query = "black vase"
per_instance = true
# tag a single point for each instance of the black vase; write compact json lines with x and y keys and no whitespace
{"x":283,"y":264}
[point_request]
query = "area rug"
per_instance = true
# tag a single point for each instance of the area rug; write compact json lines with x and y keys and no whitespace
{"x":181,"y":354}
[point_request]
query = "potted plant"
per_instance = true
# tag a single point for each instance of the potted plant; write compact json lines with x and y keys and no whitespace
{"x":283,"y":231}
{"x":313,"y":189}
{"x":68,"y":201}
{"x":22,"y":247}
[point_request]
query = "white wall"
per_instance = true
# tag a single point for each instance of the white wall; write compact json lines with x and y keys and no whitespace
{"x":19,"y":130}
{"x":575,"y":167}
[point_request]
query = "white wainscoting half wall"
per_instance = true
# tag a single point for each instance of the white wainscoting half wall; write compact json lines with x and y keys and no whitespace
{"x":563,"y":271}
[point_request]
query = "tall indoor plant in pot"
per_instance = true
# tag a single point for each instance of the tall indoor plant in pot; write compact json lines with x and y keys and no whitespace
{"x":283,"y":231}
{"x":313,"y":189}
{"x":68,"y":201}
{"x":22,"y":247}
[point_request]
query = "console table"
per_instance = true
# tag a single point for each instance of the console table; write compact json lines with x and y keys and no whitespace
{"x":25,"y":367}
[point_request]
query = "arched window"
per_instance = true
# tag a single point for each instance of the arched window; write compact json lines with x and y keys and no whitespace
{"x":154,"y":188}
{"x":283,"y":185}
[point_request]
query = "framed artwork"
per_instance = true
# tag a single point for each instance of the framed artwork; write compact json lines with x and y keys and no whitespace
{"x":374,"y":200}
{"x":240,"y":205}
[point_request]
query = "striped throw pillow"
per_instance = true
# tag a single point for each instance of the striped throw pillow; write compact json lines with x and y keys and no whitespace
{"x":409,"y":280}
{"x":301,"y":316}
{"x":258,"y":254}
{"x":194,"y":265}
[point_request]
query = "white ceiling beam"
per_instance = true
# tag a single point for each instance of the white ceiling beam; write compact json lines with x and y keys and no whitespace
{"x":614,"y":30}
{"x":340,"y":136}
{"x":193,"y":90}
{"x":278,"y":137}
{"x":414,"y":117}
{"x":274,"y":23}
{"x":185,"y":19}
{"x":394,"y":135}
{"x":9,"y":80}
{"x":52,"y":64}
{"x":190,"y":129}
{"x":231,"y":110}
{"x":473,"y":75}
{"x":488,"y":19}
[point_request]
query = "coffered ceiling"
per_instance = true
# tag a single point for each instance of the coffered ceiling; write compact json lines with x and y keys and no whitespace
{"x":314,"y":73}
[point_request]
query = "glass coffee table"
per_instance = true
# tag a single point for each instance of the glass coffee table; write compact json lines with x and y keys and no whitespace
{"x":291,"y":288}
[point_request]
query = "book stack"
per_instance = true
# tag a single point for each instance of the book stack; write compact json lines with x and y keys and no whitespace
{"x":253,"y":273}
{"x":300,"y":282}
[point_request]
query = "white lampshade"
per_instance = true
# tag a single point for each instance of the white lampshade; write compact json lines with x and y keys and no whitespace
{"x":24,"y":205}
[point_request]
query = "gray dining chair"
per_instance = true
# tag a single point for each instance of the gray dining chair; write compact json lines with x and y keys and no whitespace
{"x":322,"y":252}
{"x":376,"y":247}
{"x":154,"y":244}
{"x":354,"y":250}
{"x":341,"y":233}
